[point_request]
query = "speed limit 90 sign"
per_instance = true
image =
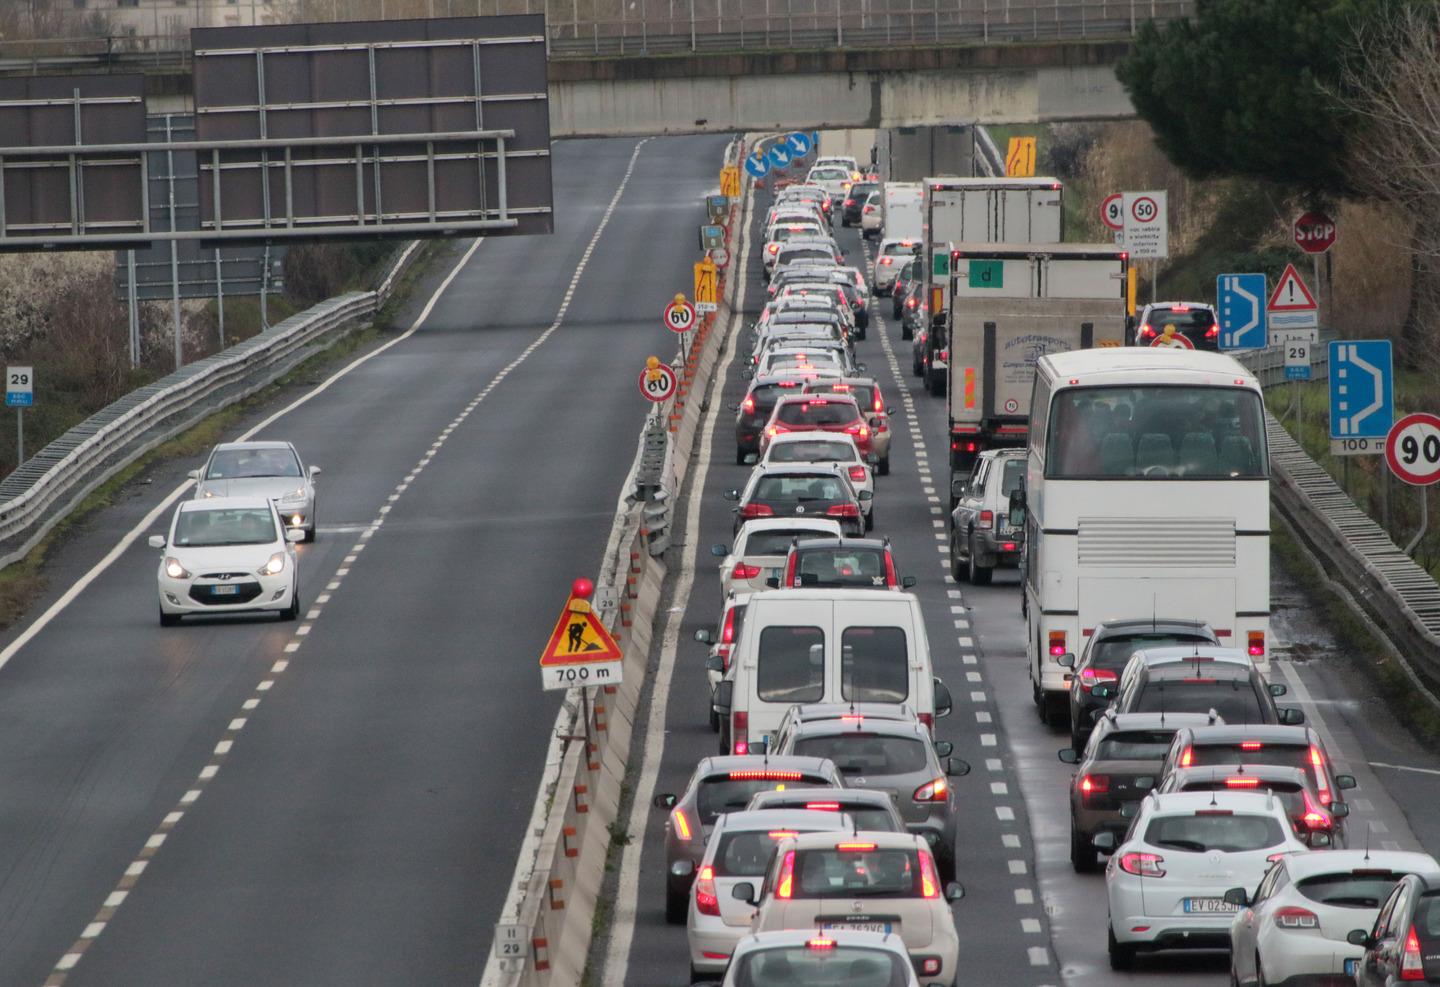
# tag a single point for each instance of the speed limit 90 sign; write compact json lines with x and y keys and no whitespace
{"x":1412,"y":448}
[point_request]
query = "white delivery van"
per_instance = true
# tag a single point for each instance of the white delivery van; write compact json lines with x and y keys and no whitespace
{"x":904,"y":211}
{"x":825,"y":646}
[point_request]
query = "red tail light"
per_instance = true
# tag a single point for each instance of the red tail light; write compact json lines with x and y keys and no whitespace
{"x":944,"y":356}
{"x":912,"y":302}
{"x":1187,"y":757}
{"x":857,"y":473}
{"x":1089,"y":677}
{"x":879,"y":403}
{"x":727,"y":634}
{"x":743,"y":571}
{"x":1212,"y":333}
{"x":749,"y":405}
{"x":1322,"y":780}
{"x":1296,"y":918}
{"x":774,"y":248}
{"x":707,"y":902}
{"x":1148,"y":332}
{"x":849,"y":203}
{"x":1256,"y":642}
{"x":1412,"y":967}
{"x":1057,"y":643}
{"x":1142,"y":864}
{"x":681,"y":826}
{"x":1094,"y":785}
{"x":819,"y":943}
{"x":891,"y":579}
{"x":855,"y":847}
{"x":1251,"y":745}
{"x":1242,"y":782}
{"x":785,"y":886}
{"x":869,"y":208}
{"x":987,"y":521}
{"x":791,"y":561}
{"x":756,"y":510}
{"x":740,"y":732}
{"x":928,"y":719}
{"x":932,"y":791}
{"x":823,"y":806}
{"x":763,"y":774}
{"x":1315,"y":817}
{"x":929,"y":876}
{"x":843,"y":510}
{"x":886,"y":261}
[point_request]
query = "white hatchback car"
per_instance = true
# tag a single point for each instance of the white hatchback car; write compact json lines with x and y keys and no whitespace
{"x":228,"y":554}
{"x":872,"y":216}
{"x":740,"y":849}
{"x":855,"y":959}
{"x":1167,"y":882}
{"x":828,"y":448}
{"x":884,"y":883}
{"x":760,"y":549}
{"x":889,"y":258}
{"x":1292,"y":928}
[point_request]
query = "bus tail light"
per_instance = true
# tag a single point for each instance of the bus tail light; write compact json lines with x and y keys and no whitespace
{"x":1255,"y":641}
{"x":1057,"y":643}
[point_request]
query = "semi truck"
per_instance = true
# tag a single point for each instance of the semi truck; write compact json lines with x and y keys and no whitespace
{"x":1010,"y":305}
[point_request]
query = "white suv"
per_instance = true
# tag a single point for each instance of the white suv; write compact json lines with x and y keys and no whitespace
{"x":1167,"y":882}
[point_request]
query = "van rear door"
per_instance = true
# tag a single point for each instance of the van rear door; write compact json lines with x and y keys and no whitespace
{"x":786,"y":664}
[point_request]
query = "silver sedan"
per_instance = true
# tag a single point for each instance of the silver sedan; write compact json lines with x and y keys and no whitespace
{"x":272,"y":470}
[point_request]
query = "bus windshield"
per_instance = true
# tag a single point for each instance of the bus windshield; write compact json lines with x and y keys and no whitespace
{"x":1156,"y":432}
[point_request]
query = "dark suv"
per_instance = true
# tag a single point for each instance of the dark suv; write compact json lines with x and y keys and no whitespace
{"x":854,"y":201}
{"x":752,"y":413}
{"x":1193,"y":320}
{"x":843,"y":563}
{"x":1105,"y":654}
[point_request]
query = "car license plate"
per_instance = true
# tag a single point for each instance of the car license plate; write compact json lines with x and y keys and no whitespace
{"x":1208,"y":906}
{"x":1350,"y":967}
{"x":224,"y":590}
{"x":772,"y":573}
{"x":883,"y":927}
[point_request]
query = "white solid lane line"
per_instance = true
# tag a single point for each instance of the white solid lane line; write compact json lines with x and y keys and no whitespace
{"x":128,"y":539}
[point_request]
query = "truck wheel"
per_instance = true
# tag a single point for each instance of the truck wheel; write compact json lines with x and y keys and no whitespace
{"x":979,"y":575}
{"x":884,"y":467}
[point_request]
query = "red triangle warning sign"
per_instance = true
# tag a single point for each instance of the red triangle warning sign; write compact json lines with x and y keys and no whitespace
{"x":579,"y":638}
{"x":1290,"y":294}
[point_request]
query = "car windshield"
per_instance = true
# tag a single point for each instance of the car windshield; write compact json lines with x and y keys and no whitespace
{"x":1156,"y":432}
{"x":1186,"y":320}
{"x":720,"y":793}
{"x":835,"y":965}
{"x":874,"y":665}
{"x":1287,"y":755}
{"x":867,"y":754}
{"x":862,"y":189}
{"x":801,"y":488}
{"x":225,"y":526}
{"x":822,"y":411}
{"x":790,"y":665}
{"x":1349,"y":889}
{"x":813,"y":451}
{"x":1234,"y":700}
{"x":1114,"y":651}
{"x":791,"y":254}
{"x":898,"y":249}
{"x":1214,"y":829}
{"x":778,"y":542}
{"x":829,"y":175}
{"x":834,"y":873}
{"x":841,"y":566}
{"x":237,"y":464}
{"x":1135,"y":745}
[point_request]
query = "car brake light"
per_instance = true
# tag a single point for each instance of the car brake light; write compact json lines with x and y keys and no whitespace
{"x":744,"y":571}
{"x":1147,"y":332}
{"x":1242,"y":782}
{"x":782,"y":834}
{"x":1142,"y":864}
{"x":756,"y":510}
{"x":1089,"y":677}
{"x":819,"y":943}
{"x":987,"y":520}
{"x":1057,"y":643}
{"x":857,"y":473}
{"x":855,"y":847}
{"x":786,"y":884}
{"x":681,"y":825}
{"x":1412,"y":967}
{"x":763,"y":774}
{"x":1187,"y":757}
{"x":912,"y":302}
{"x":928,"y":719}
{"x":849,"y":203}
{"x":843,"y":510}
{"x":886,"y":261}
{"x":944,"y":356}
{"x":1322,"y":782}
{"x":707,"y":902}
{"x":1256,"y":641}
{"x":1179,"y":308}
{"x":749,"y":405}
{"x":1251,"y":745}
{"x":929,"y":877}
{"x":1314,"y":817}
{"x":891,"y":579}
{"x":740,"y":731}
{"x":727,"y":636}
{"x":869,"y":208}
{"x":1212,"y":332}
{"x":1094,"y":784}
{"x":823,"y":806}
{"x":774,"y":248}
{"x":932,"y":791}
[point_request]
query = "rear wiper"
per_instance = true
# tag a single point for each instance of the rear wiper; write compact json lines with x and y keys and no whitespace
{"x":1191,"y":845}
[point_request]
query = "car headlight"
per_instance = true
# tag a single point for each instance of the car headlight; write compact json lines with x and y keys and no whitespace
{"x":274,"y":566}
{"x":208,"y":493}
{"x":174,"y":569}
{"x":293,"y":497}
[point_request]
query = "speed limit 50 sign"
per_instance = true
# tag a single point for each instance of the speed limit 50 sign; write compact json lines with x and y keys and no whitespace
{"x":1412,"y":448}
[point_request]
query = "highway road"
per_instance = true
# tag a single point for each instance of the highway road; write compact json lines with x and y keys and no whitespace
{"x":1027,"y":918}
{"x":340,"y":800}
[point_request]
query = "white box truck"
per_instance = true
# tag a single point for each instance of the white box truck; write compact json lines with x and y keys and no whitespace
{"x":904,"y":219}
{"x":1011,"y":305}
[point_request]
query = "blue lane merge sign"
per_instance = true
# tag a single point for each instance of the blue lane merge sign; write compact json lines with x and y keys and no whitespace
{"x":757,"y":165}
{"x":1241,"y":301}
{"x":1362,"y":389}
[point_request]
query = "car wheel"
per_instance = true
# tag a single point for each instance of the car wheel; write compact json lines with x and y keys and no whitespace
{"x":1260,"y":980}
{"x":958,"y":570}
{"x":884,"y":469}
{"x":980,"y":575}
{"x":740,"y":455}
{"x":870,"y":521}
{"x":292,"y":612}
{"x":169,"y":619}
{"x":916,"y":369}
{"x":714,"y":721}
{"x":1122,"y":956}
{"x":1082,"y":854}
{"x":905,"y":331}
{"x":724,"y":745}
{"x":675,"y":907}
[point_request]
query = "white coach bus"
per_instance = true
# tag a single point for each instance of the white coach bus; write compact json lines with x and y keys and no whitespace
{"x":1147,"y":495}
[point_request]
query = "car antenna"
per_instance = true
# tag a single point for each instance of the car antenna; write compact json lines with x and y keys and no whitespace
{"x":1154,"y":604}
{"x":1367,"y":840}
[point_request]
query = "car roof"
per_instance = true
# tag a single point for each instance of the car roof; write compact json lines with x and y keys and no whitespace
{"x":910,"y":729}
{"x":854,"y":796}
{"x":809,"y":712}
{"x":1190,"y":652}
{"x":786,"y":523}
{"x":814,"y":399}
{"x":763,"y":820}
{"x":1303,"y":865}
{"x":848,"y":382}
{"x":1158,"y":625}
{"x":877,"y":544}
{"x":839,"y":595}
{"x":254,"y":444}
{"x":882,"y":840}
{"x":1126,"y":361}
{"x":1273,"y":733}
{"x":788,"y":438}
{"x":1004,"y":454}
{"x":1205,"y":305}
{"x":724,"y":763}
{"x":1220,"y":772}
{"x":1189,"y":802}
{"x":843,"y":937}
{"x":1219,"y":672}
{"x":1157,"y":721}
{"x":224,"y":503}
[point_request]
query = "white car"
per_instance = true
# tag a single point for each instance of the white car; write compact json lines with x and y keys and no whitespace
{"x":867,"y":882}
{"x":1292,"y":928}
{"x":834,"y":179}
{"x":760,"y":549}
{"x":857,"y":959}
{"x":825,"y":448}
{"x":815,"y":357}
{"x":740,"y":848}
{"x":889,"y":258}
{"x":845,"y":161}
{"x":811,"y":250}
{"x":722,"y":645}
{"x":272,"y":470}
{"x":1167,"y":882}
{"x":872,"y":216}
{"x":227,"y":554}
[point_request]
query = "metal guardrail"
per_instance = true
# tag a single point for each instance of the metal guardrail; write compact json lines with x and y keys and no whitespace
{"x":1268,"y":364}
{"x":46,"y":487}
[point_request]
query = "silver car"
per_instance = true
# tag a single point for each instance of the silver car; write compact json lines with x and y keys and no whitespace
{"x":982,"y":538}
{"x":272,"y":470}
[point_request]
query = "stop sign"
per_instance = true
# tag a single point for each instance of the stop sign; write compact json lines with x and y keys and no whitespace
{"x":1314,"y":232}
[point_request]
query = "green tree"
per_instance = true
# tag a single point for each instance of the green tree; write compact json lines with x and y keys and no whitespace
{"x":1248,"y":88}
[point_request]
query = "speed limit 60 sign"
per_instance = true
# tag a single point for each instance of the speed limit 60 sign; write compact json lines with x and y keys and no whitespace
{"x":1413,"y":449}
{"x":679,"y":316}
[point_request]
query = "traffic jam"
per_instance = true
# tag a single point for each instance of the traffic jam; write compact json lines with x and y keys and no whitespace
{"x":823,"y":841}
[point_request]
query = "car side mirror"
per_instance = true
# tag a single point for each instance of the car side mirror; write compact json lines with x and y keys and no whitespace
{"x":1340,"y":809}
{"x":1017,"y":508}
{"x":1238,"y":897}
{"x":907,"y":581}
{"x":719,"y":551}
{"x":751,"y":459}
{"x":715,"y":663}
{"x":1318,"y":839}
{"x":1289,"y":716}
{"x":1069,"y":755}
{"x":683,"y":868}
{"x":1344,"y":782}
{"x":293,"y":535}
{"x":193,"y":474}
{"x":1104,"y":842}
{"x":665,"y":801}
{"x":1130,"y":810}
{"x":1067,"y":660}
{"x":744,"y":891}
{"x":1277,"y":689}
{"x":1102,"y":691}
{"x":956,"y":768}
{"x":731,"y":495}
{"x":156,"y":541}
{"x":705,"y":636}
{"x":1359,"y":937}
{"x":773,"y":582}
{"x":721,"y":698}
{"x":860,"y":367}
{"x":865,"y":495}
{"x":943,"y":703}
{"x":315,"y":471}
{"x":943,"y":748}
{"x":954,"y":891}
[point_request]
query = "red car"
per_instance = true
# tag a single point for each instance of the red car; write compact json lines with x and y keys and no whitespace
{"x":818,"y":413}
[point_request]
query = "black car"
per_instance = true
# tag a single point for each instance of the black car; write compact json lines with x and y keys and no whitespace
{"x":841,"y":563}
{"x":1404,"y":943}
{"x":854,"y":201}
{"x":800,"y":491}
{"x":1193,"y":320}
{"x":1107,"y":650}
{"x":752,"y":413}
{"x":903,"y":282}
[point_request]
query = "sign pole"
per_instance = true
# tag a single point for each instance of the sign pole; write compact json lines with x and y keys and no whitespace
{"x":220,"y":295}
{"x":1424,"y":520}
{"x":174,"y":251}
{"x":19,"y":437}
{"x":1319,"y":296}
{"x":134,"y":306}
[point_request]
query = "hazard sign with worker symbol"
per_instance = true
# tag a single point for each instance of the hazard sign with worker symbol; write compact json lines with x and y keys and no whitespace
{"x":580,"y":650}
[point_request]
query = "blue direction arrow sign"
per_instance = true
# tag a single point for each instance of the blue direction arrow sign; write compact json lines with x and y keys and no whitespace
{"x":1241,"y":299}
{"x":757,"y":165}
{"x":780,"y":155}
{"x":799,"y":144}
{"x":1362,"y":389}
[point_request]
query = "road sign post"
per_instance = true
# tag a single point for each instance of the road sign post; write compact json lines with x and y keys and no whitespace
{"x":580,"y":651}
{"x":1241,"y":301}
{"x":1362,"y":396}
{"x":1146,"y":230}
{"x":1412,"y":451}
{"x":707,"y":286}
{"x":19,"y":394}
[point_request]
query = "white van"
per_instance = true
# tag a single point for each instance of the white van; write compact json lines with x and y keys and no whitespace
{"x":825,"y":646}
{"x":904,"y":211}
